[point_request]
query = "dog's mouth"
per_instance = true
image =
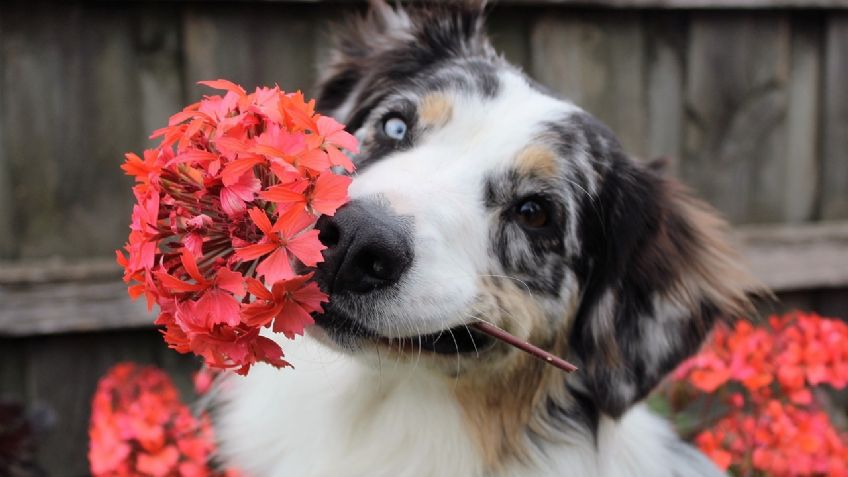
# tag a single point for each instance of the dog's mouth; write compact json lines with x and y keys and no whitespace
{"x":346,"y":330}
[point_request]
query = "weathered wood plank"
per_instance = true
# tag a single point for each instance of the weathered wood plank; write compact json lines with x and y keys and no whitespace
{"x":597,"y":61}
{"x":160,"y":73}
{"x":7,"y":239}
{"x":801,"y":179}
{"x":790,"y":257}
{"x":666,"y":40}
{"x":72,"y":115}
{"x":56,"y":296}
{"x":509,"y":29}
{"x":258,"y":45}
{"x":57,"y":270}
{"x":736,"y":101}
{"x":31,"y":62}
{"x":834,"y":200}
{"x":626,"y":69}
{"x":180,"y":367}
{"x":69,"y":307}
{"x":834,"y":303}
{"x":13,"y":372}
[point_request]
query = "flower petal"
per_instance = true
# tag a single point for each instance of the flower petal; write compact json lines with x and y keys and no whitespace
{"x":260,"y":218}
{"x":254,"y":251}
{"x":276,"y":266}
{"x":230,"y":281}
{"x":292,"y":320}
{"x":330,"y":193}
{"x":218,"y":306}
{"x":225,"y":85}
{"x":307,"y":248}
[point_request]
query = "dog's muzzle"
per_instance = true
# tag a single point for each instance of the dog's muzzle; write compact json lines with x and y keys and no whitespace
{"x":368,"y":249}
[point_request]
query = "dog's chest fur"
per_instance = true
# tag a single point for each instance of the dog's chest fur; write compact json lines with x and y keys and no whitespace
{"x":334,"y":416}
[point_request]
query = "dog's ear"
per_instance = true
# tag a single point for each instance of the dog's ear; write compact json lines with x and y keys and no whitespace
{"x":657,"y":272}
{"x":355,"y":45}
{"x":389,"y":45}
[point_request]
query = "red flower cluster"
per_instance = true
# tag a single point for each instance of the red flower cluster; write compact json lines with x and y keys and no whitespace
{"x":765,"y":375}
{"x":779,"y":440}
{"x":139,"y":427}
{"x":225,"y":204}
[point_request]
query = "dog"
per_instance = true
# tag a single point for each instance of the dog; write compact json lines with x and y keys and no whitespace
{"x":480,"y":196}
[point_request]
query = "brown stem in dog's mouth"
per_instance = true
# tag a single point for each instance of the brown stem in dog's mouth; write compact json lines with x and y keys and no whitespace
{"x":535,"y":351}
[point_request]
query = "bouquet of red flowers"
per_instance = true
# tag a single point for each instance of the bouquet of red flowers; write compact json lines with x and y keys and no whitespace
{"x":225,"y":204}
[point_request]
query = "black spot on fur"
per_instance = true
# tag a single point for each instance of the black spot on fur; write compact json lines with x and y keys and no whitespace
{"x":536,"y":257}
{"x":394,"y":50}
{"x":634,"y":248}
{"x":336,"y":90}
{"x":582,"y":413}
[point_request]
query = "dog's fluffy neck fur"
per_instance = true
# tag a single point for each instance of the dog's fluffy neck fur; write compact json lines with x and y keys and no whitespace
{"x":336,"y":416}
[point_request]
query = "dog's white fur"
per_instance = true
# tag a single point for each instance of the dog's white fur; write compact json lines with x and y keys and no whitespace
{"x":337,"y":416}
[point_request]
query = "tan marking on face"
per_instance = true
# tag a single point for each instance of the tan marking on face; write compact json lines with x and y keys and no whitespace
{"x":504,"y":399}
{"x":435,"y":110}
{"x":538,"y":160}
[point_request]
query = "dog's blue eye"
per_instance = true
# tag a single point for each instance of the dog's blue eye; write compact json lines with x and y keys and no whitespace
{"x":395,"y":128}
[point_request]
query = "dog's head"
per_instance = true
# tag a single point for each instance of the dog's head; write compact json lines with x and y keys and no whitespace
{"x":479,"y":196}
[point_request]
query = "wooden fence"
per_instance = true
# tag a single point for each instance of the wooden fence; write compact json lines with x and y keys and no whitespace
{"x":751,"y":104}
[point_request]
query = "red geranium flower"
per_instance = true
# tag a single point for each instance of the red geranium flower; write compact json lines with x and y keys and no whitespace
{"x":764,"y":376}
{"x":139,"y":427}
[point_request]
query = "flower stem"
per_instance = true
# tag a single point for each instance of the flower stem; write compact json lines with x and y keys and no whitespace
{"x":517,"y":342}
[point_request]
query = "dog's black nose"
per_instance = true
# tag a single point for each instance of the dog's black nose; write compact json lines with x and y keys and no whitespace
{"x":367,"y":248}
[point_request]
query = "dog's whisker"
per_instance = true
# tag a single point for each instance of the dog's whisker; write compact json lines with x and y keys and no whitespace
{"x":473,"y":343}
{"x":411,"y":341}
{"x":380,"y":368}
{"x":508,"y":277}
{"x":420,"y":350}
{"x":458,"y":368}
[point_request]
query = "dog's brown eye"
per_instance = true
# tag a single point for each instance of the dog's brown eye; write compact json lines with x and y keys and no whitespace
{"x":532,"y":214}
